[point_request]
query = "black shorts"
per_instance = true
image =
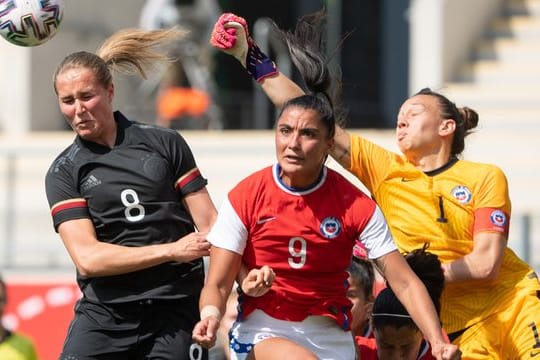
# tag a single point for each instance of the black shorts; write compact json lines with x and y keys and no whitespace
{"x":149,"y":329}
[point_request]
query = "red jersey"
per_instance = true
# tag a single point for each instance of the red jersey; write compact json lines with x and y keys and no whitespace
{"x":305,"y":235}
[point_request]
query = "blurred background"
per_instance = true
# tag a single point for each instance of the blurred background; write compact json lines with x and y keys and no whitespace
{"x":483,"y":54}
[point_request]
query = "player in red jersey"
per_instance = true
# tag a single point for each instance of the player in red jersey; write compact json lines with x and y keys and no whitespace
{"x":301,"y":219}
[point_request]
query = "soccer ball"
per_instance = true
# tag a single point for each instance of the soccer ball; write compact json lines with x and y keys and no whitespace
{"x":30,"y":22}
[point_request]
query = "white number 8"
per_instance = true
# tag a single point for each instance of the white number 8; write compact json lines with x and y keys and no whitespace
{"x":298,"y":258}
{"x":131,"y":206}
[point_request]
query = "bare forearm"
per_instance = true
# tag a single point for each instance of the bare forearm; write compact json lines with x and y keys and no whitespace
{"x":416,"y":300}
{"x":105,"y":259}
{"x":224,"y":268}
{"x":215,"y":296}
{"x":341,"y":151}
{"x":469,"y":268}
{"x":412,"y":293}
{"x":280,"y":89}
{"x":483,"y":263}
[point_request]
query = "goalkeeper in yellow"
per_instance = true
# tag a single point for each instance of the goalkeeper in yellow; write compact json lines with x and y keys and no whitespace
{"x":490,"y":306}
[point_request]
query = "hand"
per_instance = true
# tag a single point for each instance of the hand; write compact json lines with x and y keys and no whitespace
{"x":231,"y":35}
{"x":204,"y":332}
{"x":444,"y":351}
{"x":258,"y":281}
{"x":190,"y":247}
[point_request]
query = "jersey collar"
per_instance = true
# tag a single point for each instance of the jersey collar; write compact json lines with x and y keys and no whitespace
{"x":446,"y":166}
{"x":276,"y":170}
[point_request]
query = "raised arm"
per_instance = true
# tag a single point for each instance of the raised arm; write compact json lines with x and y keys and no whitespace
{"x":231,"y":35}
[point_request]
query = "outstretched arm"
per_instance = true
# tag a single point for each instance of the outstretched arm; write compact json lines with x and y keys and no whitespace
{"x":231,"y":36}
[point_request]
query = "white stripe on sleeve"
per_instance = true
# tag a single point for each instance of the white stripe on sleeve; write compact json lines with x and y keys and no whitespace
{"x":376,"y":236}
{"x":228,"y":232}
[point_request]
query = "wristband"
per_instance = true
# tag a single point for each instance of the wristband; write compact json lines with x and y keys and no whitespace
{"x":210,"y":310}
{"x":258,"y":64}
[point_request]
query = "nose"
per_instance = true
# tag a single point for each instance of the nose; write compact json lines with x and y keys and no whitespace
{"x":294,"y":140}
{"x":79,"y":107}
{"x":401,"y":123}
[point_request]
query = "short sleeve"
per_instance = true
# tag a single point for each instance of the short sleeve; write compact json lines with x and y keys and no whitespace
{"x":65,"y":201}
{"x":228,"y":232}
{"x":188,"y":176}
{"x":376,"y":236}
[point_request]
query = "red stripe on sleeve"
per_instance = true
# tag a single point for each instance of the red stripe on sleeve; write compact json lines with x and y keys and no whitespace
{"x":187,"y":178}
{"x":490,"y":219}
{"x":68,"y":204}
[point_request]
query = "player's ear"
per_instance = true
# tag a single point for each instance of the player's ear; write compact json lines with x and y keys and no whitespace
{"x":447,"y":127}
{"x":110,"y":92}
{"x":368,"y":307}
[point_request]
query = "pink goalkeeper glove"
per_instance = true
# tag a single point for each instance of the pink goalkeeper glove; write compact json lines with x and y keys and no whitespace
{"x":231,"y":35}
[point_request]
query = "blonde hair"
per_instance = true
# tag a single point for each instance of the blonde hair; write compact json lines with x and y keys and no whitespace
{"x":128,"y":51}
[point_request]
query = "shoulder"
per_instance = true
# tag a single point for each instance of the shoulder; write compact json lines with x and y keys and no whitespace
{"x":340,"y":180}
{"x":258,"y":177}
{"x":479,"y":168}
{"x":144,"y":130}
{"x":347,"y":189}
{"x":479,"y":174}
{"x":66,"y":159}
{"x":252,"y":185}
{"x":154,"y":131}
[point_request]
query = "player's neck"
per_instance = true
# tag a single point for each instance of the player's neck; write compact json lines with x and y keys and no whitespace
{"x":430,"y":162}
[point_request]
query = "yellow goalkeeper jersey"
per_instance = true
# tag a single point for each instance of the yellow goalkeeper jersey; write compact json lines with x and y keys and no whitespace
{"x":17,"y":347}
{"x":444,"y":208}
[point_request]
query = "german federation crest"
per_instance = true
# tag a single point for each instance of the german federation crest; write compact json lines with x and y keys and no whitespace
{"x":330,"y":227}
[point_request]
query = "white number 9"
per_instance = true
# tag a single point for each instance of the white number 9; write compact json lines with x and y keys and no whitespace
{"x":298,"y":258}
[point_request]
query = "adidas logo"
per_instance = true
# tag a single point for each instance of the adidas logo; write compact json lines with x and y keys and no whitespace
{"x":90,"y":182}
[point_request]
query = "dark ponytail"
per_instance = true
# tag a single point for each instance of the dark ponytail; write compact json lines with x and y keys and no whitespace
{"x":306,"y":46}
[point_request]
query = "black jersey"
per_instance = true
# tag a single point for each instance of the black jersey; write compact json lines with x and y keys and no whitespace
{"x":133,"y":195}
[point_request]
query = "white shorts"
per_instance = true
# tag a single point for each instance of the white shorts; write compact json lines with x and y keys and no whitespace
{"x":320,"y":334}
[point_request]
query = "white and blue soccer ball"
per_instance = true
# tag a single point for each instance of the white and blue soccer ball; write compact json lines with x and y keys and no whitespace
{"x":30,"y":22}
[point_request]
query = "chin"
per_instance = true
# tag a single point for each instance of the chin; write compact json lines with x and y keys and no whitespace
{"x":291,"y":168}
{"x":86,"y":134}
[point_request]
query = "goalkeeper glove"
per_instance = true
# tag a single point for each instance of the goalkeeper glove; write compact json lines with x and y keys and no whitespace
{"x":231,"y":35}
